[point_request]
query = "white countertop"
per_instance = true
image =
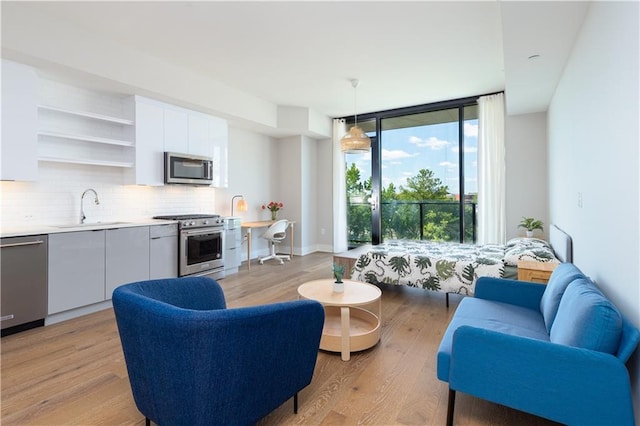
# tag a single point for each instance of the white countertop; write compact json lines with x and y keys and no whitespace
{"x":26,"y":230}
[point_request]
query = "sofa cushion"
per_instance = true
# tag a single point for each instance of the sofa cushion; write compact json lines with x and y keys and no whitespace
{"x":490,"y":315}
{"x":561,"y":277}
{"x":586,"y":319}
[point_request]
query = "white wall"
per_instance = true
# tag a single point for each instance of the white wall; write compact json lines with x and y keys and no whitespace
{"x":324,"y":195}
{"x":250,"y":160}
{"x":526,"y":171}
{"x":593,"y":150}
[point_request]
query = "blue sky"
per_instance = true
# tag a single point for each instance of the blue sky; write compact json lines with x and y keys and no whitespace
{"x":434,"y":147}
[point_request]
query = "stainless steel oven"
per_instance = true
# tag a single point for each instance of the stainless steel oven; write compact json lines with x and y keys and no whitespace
{"x":200,"y":245}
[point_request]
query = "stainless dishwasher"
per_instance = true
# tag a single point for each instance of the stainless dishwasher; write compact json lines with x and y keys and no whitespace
{"x":23,"y":274}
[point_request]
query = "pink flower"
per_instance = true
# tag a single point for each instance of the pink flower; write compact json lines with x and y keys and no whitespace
{"x":274,"y":206}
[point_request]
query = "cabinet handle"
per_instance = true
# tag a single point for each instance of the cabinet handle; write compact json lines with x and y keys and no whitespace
{"x":7,"y":317}
{"x":28,"y":243}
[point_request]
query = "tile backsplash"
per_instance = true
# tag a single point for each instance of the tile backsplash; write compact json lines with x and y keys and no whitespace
{"x":55,"y":198}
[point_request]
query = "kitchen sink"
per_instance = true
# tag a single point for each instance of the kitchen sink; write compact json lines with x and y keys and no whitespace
{"x":85,"y":225}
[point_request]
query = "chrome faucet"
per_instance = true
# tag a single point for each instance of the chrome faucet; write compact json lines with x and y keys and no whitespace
{"x":82,"y":215}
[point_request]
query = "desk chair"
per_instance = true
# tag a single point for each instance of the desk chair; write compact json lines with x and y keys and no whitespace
{"x":275,"y":234}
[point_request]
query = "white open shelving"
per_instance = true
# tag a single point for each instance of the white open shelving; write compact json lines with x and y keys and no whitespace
{"x":72,"y":131}
{"x":88,"y":115}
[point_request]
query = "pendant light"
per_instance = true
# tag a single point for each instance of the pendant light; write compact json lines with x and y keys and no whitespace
{"x":356,"y":140}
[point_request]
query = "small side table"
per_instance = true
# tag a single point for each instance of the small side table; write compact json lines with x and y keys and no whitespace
{"x":352,"y":318}
{"x":537,"y":272}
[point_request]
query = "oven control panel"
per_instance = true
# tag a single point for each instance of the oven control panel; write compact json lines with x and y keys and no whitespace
{"x":201,"y":223}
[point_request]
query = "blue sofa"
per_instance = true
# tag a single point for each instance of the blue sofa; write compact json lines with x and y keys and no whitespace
{"x":191,"y":361}
{"x":557,"y":351}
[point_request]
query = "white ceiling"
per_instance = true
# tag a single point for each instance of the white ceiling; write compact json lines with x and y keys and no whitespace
{"x":304,"y":53}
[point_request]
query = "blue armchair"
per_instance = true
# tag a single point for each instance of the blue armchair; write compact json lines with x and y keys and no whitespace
{"x":192,"y":361}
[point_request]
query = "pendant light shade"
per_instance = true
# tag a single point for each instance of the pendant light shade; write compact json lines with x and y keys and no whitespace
{"x":356,"y":140}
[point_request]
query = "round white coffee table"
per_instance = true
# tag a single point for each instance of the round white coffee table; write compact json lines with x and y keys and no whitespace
{"x":352,"y":318}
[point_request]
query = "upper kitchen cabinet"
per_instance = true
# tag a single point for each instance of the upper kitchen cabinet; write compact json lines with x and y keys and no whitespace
{"x":163,"y":127}
{"x":149,"y":145}
{"x":219,"y":136}
{"x":200,"y":142}
{"x":176,"y":130}
{"x":19,"y":122}
{"x":80,"y":126}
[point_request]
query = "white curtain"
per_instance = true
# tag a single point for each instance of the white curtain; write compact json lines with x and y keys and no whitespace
{"x":491,"y":170}
{"x":340,"y":243}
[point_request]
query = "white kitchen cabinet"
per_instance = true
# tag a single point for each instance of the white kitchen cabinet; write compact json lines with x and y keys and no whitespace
{"x":19,"y":122}
{"x":164,"y":127}
{"x":176,"y":130}
{"x":126,"y":257}
{"x":163,"y":246}
{"x":232,"y":245}
{"x":200,"y":142}
{"x":219,"y":137}
{"x":76,"y":270}
{"x":149,"y":145}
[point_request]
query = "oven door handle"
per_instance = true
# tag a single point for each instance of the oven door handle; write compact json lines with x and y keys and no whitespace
{"x":202,"y":231}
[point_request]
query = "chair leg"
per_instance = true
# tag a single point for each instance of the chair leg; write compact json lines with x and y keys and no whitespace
{"x":450,"y":404}
{"x":295,"y":403}
{"x":147,"y":421}
{"x":447,"y":297}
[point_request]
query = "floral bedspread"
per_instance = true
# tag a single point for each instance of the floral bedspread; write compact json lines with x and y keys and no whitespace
{"x":445,"y":267}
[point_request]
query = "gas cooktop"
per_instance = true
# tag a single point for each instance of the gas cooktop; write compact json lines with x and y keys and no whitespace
{"x":187,"y":216}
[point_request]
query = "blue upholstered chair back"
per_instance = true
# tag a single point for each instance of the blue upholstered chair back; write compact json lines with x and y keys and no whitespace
{"x":191,"y":361}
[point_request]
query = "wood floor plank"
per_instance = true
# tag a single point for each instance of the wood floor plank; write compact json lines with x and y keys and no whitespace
{"x":73,"y":373}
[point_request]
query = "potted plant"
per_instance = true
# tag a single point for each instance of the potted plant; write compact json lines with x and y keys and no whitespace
{"x":530,"y":224}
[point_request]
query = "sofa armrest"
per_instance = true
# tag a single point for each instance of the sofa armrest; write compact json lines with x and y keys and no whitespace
{"x":567,"y":384}
{"x":521,"y":293}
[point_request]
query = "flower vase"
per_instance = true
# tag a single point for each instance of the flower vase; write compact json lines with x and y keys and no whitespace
{"x":338,"y":287}
{"x":274,"y":215}
{"x":529,"y":234}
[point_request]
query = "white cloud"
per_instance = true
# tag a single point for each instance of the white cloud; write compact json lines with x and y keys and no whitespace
{"x":470,"y":130}
{"x":396,"y":154}
{"x":449,"y":164}
{"x":432,"y":142}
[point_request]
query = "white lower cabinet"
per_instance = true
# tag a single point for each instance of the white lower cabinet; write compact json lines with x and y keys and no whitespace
{"x":126,"y":257}
{"x":163,"y":247}
{"x":86,"y":266}
{"x":76,"y":270}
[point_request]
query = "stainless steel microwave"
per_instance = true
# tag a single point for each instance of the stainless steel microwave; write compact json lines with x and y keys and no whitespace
{"x":187,"y":169}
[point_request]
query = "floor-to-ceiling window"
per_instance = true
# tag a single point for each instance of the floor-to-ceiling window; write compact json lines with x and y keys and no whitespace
{"x":420,"y":179}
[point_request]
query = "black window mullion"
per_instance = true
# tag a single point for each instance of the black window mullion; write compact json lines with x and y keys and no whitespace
{"x":376,"y":185}
{"x":461,"y":170}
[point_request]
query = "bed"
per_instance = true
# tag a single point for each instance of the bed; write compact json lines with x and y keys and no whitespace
{"x":455,"y":267}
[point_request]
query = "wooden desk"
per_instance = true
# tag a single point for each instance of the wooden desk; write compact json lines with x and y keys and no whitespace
{"x":263,"y":224}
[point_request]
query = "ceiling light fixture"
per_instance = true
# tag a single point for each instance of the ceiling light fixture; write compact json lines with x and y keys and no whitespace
{"x":356,"y":140}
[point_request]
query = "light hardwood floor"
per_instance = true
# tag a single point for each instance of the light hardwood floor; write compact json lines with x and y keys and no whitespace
{"x":73,"y":373}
